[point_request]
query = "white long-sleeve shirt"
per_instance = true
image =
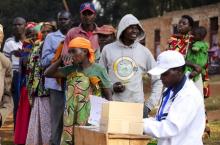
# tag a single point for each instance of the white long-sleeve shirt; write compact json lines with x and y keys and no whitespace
{"x":185,"y":121}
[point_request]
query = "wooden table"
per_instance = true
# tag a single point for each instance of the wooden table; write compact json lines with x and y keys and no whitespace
{"x":85,"y":135}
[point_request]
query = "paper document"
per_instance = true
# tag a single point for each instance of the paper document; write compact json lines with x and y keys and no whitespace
{"x":96,"y":109}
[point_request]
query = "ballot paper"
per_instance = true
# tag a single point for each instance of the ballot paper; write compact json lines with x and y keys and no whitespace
{"x":96,"y":109}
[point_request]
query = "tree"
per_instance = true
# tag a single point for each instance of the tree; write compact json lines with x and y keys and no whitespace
{"x":31,"y":10}
{"x":113,"y":11}
{"x":110,"y":11}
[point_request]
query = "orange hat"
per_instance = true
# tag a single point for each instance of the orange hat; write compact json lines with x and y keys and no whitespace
{"x":106,"y":30}
{"x":80,"y":42}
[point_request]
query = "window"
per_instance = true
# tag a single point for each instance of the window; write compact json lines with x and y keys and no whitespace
{"x":213,"y":31}
{"x":196,"y":24}
{"x":156,"y":42}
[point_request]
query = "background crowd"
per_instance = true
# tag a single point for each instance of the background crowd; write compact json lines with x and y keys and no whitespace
{"x":49,"y":70}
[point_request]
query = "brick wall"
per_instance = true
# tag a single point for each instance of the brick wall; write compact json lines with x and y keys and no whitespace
{"x":165,"y":24}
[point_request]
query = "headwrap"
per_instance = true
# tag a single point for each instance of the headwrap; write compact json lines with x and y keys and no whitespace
{"x":80,"y":42}
{"x":106,"y":30}
{"x":49,"y":24}
{"x":30,"y":25}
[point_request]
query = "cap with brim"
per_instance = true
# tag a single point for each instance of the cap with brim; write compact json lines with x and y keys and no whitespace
{"x":106,"y":30}
{"x":157,"y":71}
{"x":88,"y":10}
{"x":87,"y":6}
{"x":167,"y":60}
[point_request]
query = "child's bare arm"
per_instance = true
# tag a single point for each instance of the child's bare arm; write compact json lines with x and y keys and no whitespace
{"x":195,"y":67}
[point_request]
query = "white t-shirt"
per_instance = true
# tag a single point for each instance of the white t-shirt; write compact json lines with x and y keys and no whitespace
{"x":11,"y":45}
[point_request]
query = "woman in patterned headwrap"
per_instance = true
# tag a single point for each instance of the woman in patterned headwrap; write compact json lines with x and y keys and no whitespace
{"x":39,"y":129}
{"x":84,"y":78}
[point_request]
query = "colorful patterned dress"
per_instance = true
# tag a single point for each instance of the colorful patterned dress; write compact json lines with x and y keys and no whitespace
{"x":80,"y":85}
{"x":39,"y":130}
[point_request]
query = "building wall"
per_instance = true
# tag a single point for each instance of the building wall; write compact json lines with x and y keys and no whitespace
{"x":165,"y":23}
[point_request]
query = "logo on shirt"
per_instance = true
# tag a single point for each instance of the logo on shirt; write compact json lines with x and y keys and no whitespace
{"x":125,"y":68}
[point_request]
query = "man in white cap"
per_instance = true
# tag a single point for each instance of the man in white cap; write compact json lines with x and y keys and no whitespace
{"x":180,"y":119}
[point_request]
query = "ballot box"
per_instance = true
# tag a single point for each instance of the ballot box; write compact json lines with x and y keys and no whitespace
{"x":122,"y":117}
{"x":90,"y":135}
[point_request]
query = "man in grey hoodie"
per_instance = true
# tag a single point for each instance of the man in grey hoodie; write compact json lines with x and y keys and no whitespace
{"x":126,"y":61}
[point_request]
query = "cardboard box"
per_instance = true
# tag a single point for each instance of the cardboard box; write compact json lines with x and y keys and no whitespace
{"x":122,"y":117}
{"x":122,"y":110}
{"x":122,"y":127}
{"x":94,"y":136}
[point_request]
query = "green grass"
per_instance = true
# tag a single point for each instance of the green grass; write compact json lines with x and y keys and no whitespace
{"x":7,"y":143}
{"x":212,"y":103}
{"x":215,"y":134}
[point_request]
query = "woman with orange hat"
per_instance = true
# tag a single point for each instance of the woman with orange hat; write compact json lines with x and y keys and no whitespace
{"x":84,"y":78}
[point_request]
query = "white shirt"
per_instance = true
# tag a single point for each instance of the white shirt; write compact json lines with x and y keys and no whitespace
{"x":185,"y":122}
{"x":11,"y":45}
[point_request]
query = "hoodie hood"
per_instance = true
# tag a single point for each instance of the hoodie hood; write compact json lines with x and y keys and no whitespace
{"x":125,"y":22}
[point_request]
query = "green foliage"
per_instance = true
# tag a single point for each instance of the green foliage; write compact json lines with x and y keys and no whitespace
{"x":110,"y":12}
{"x":31,"y":10}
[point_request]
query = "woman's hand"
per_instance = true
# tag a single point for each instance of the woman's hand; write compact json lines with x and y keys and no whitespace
{"x":67,"y":59}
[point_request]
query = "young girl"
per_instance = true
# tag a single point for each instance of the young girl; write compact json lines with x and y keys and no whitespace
{"x":84,"y":78}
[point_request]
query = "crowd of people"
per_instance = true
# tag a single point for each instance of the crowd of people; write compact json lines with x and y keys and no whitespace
{"x":48,"y":72}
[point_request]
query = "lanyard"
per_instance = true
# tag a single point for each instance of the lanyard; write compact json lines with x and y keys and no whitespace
{"x":164,"y":102}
